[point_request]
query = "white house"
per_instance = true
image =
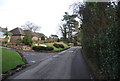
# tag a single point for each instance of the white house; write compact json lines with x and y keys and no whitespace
{"x":2,"y":31}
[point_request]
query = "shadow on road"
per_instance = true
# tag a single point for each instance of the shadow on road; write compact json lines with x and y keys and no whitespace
{"x":79,"y":68}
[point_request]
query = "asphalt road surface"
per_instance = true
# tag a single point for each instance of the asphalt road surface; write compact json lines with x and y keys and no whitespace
{"x":68,"y":64}
{"x":33,"y":57}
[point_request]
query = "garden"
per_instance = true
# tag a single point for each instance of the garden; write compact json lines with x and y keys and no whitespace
{"x":54,"y":47}
{"x":49,"y":45}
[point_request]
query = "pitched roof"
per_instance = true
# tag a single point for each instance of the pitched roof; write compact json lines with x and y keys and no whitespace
{"x":3,"y":29}
{"x":39,"y":34}
{"x":17,"y":31}
{"x":29,"y":32}
{"x":54,"y":35}
{"x":33,"y":33}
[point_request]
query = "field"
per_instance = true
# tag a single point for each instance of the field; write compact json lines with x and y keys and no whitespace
{"x":10,"y":59}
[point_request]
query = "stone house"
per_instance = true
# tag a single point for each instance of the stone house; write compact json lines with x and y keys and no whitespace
{"x":35,"y":36}
{"x":18,"y":34}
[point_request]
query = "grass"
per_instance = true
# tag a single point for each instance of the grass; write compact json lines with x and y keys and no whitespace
{"x":10,"y":59}
{"x":0,"y":62}
{"x":57,"y":49}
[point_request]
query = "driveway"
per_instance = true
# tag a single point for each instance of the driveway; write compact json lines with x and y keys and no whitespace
{"x":34,"y":57}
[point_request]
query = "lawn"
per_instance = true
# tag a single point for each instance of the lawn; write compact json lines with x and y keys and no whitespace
{"x":10,"y":59}
{"x":57,"y":49}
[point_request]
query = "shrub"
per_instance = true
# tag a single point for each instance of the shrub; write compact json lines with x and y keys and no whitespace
{"x":49,"y":48}
{"x":43,"y":38}
{"x":58,"y":40}
{"x":37,"y":48}
{"x":19,"y":41}
{"x":4,"y":42}
{"x":41,"y":48}
{"x":58,"y":45}
{"x":27,"y":40}
{"x":61,"y":46}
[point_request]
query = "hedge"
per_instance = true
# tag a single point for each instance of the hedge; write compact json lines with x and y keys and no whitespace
{"x":58,"y":45}
{"x":41,"y":48}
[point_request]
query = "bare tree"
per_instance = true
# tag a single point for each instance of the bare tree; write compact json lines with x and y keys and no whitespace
{"x":31,"y":26}
{"x":63,"y":30}
{"x":36,"y":28}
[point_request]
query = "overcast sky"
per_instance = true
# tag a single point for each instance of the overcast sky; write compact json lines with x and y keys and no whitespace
{"x":44,"y":13}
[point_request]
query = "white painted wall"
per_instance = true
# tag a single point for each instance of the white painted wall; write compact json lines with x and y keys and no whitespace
{"x":2,"y":35}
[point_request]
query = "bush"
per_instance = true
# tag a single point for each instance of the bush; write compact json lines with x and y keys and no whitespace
{"x":61,"y":46}
{"x":4,"y":42}
{"x":41,"y":48}
{"x":19,"y":41}
{"x":49,"y":48}
{"x":43,"y":38}
{"x":58,"y":45}
{"x":27,"y":40}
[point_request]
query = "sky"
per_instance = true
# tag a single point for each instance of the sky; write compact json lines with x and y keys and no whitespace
{"x":44,"y":13}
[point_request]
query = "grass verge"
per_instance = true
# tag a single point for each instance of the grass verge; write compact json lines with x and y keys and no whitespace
{"x":10,"y":59}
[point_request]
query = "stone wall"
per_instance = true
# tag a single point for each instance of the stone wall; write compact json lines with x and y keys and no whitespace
{"x":15,"y":38}
{"x":15,"y":46}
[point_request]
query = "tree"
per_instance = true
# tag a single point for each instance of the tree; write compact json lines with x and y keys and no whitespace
{"x":43,"y":38}
{"x":7,"y":35}
{"x":70,"y":25}
{"x":31,"y":26}
{"x":63,"y":30}
{"x":27,"y":40}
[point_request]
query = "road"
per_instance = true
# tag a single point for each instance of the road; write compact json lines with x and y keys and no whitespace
{"x":34,"y":57}
{"x":68,"y":64}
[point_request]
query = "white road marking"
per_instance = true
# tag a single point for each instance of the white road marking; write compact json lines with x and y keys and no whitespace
{"x":70,"y":51}
{"x":61,"y":53}
{"x":55,"y":56}
{"x":33,"y":61}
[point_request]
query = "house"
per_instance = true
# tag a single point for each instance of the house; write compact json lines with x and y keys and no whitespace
{"x":32,"y":34}
{"x":18,"y":34}
{"x":54,"y":36}
{"x":2,"y":32}
{"x":35,"y":36}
